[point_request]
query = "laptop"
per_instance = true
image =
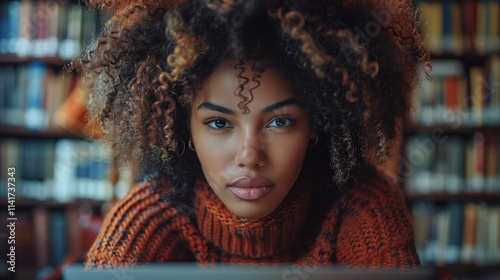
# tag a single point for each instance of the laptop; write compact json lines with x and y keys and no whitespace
{"x":191,"y":271}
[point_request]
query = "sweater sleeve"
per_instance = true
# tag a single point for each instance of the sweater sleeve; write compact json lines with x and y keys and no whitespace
{"x":376,"y":229}
{"x":139,"y":228}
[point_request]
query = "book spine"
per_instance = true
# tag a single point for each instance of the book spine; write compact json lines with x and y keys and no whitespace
{"x":447,"y":41}
{"x":469,"y":233}
{"x":478,"y":94}
{"x":35,"y":115}
{"x":470,"y":25}
{"x":452,"y":254}
{"x":457,"y":37}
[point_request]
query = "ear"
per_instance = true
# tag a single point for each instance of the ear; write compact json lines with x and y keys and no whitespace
{"x":313,"y":138}
{"x":313,"y":135}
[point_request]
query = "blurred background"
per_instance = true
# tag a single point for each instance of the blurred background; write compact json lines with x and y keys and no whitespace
{"x":448,"y":161}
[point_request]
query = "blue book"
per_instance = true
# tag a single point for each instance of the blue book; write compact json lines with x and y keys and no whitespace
{"x":447,"y":27}
{"x":58,"y":236}
{"x":4,"y":27}
{"x":456,"y":211}
{"x":13,"y":95}
{"x":36,"y":117}
{"x":14,"y":13}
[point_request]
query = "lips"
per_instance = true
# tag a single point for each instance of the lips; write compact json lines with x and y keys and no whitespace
{"x":251,"y":188}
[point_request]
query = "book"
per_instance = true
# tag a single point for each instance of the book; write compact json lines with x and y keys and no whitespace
{"x":453,"y":161}
{"x":494,"y":25}
{"x":13,"y":95}
{"x":420,"y":156}
{"x":432,"y":17}
{"x":41,"y":220}
{"x":452,"y":253}
{"x":447,"y":26}
{"x":478,"y":87}
{"x":58,"y":237}
{"x":88,"y":27}
{"x":4,"y":26}
{"x":70,"y":25}
{"x":64,"y":170}
{"x":470,"y":24}
{"x":457,"y":33}
{"x":421,"y":214}
{"x":24,"y":44}
{"x":482,"y":27}
{"x":442,"y":236}
{"x":492,"y":110}
{"x":52,"y":40}
{"x":26,"y":246}
{"x":12,"y":150}
{"x":469,"y":233}
{"x":36,"y":117}
{"x":482,"y":228}
{"x":478,"y":175}
{"x":41,"y":16}
{"x":492,"y":184}
{"x":493,"y":235}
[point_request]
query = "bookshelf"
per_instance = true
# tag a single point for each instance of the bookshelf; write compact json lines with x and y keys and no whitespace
{"x":450,"y":161}
{"x":62,"y":183}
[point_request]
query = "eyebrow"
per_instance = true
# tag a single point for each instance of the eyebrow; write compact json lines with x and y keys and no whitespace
{"x":224,"y":110}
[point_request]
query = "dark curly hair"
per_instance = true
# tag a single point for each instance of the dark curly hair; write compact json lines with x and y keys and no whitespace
{"x":354,"y":63}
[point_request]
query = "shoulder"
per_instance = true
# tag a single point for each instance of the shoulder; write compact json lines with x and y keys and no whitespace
{"x":375,"y":227}
{"x":379,"y":189}
{"x":135,"y":227}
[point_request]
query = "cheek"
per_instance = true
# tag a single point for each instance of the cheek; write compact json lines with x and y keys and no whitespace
{"x":288,"y":152}
{"x":214,"y":157}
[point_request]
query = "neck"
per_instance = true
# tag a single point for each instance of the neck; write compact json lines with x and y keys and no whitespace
{"x":252,"y":238}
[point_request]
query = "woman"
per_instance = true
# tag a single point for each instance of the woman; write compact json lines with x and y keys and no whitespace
{"x":254,"y":126}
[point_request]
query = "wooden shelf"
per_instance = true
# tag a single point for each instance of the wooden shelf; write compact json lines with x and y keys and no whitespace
{"x":23,"y":203}
{"x":14,"y":59}
{"x":467,"y":56}
{"x":451,"y":271}
{"x":448,"y":197}
{"x":21,"y":132}
{"x":449,"y":129}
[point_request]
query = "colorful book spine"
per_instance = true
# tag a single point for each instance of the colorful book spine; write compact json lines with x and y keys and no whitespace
{"x":458,"y":27}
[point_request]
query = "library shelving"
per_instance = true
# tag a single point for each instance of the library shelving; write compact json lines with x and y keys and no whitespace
{"x":450,"y":162}
{"x":62,"y":177}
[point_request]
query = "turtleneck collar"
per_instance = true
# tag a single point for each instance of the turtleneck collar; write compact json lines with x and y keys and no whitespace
{"x":252,"y":238}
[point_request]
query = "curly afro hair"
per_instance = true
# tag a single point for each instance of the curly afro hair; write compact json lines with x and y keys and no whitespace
{"x":355,"y":65}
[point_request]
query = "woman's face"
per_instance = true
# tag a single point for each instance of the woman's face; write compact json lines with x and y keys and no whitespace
{"x":251,"y":161}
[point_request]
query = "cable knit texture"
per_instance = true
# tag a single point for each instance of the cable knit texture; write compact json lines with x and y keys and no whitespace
{"x":367,"y":226}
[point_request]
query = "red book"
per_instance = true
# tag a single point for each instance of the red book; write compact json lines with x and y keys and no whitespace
{"x":470,"y":23}
{"x":450,"y":92}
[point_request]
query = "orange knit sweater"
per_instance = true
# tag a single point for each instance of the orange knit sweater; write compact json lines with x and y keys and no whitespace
{"x":367,"y":226}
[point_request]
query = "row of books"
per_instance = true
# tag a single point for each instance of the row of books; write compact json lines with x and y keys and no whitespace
{"x":61,"y":170}
{"x":457,"y":233}
{"x":453,"y":97}
{"x":42,"y":28}
{"x":30,"y":94}
{"x":452,"y":163}
{"x":45,"y":237}
{"x":25,"y":251}
{"x":458,"y":27}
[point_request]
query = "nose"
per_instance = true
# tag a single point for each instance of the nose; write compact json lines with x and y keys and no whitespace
{"x":251,"y":152}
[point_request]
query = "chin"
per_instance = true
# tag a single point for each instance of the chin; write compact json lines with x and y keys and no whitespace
{"x":250,"y":211}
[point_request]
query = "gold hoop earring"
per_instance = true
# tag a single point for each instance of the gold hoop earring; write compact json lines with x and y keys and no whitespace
{"x":191,"y":146}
